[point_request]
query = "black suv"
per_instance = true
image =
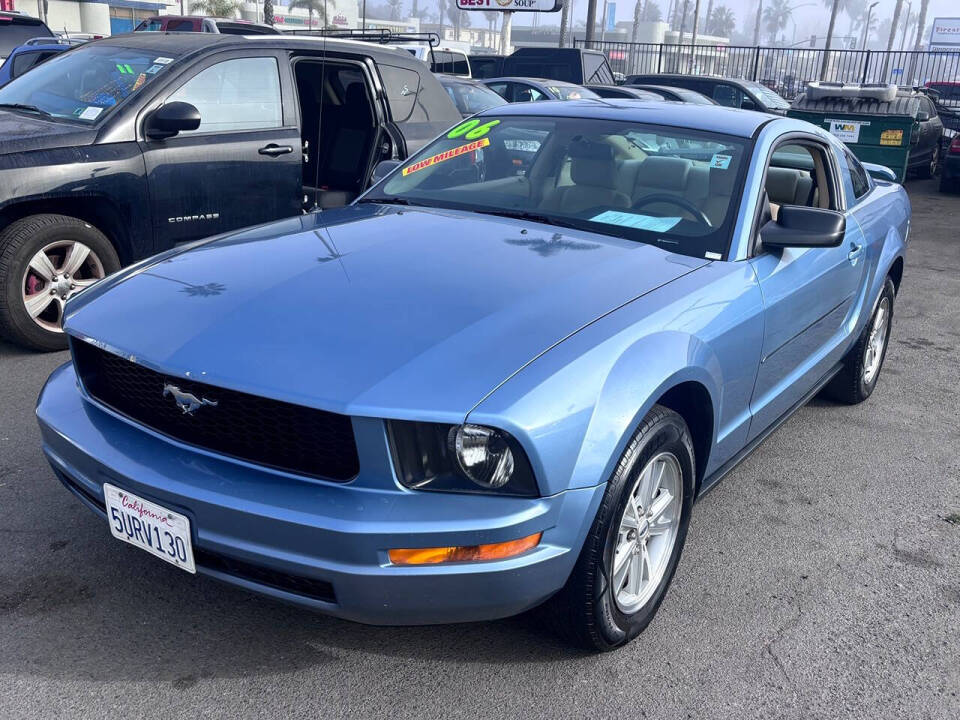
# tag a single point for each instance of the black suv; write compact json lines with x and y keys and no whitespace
{"x":123,"y":147}
{"x":732,"y":92}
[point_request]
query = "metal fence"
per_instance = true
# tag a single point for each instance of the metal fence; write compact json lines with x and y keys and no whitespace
{"x":786,"y":70}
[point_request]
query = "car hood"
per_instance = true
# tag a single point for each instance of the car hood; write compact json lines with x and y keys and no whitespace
{"x":20,"y":132}
{"x":371,"y":310}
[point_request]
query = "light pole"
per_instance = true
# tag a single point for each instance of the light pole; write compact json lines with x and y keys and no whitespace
{"x":866,"y":28}
{"x":906,"y":24}
{"x":794,"y":20}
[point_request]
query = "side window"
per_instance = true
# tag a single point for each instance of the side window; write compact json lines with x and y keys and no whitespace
{"x":858,"y":176}
{"x":727,"y":95}
{"x":180,"y":26}
{"x":23,"y":62}
{"x":928,"y":107}
{"x":401,"y":86}
{"x":241,"y":94}
{"x":800,"y":174}
{"x":500,"y":89}
{"x":527,"y":93}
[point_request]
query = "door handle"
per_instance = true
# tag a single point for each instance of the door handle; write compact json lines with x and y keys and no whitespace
{"x":273,"y":150}
{"x":855,"y":252}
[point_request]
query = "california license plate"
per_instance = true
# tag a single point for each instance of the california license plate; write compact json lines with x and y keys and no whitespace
{"x":150,"y":527}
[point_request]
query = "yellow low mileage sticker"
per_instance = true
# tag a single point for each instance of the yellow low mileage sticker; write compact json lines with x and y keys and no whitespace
{"x":446,"y":155}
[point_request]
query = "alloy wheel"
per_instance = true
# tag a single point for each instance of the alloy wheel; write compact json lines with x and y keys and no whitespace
{"x":647,"y":532}
{"x":56,"y":273}
{"x":876,"y":341}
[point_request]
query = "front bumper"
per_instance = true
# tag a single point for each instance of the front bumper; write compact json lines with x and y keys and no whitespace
{"x":320,"y":544}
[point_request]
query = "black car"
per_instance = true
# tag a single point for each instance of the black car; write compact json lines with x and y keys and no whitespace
{"x":950,"y":166}
{"x":732,"y":92}
{"x":572,"y":65}
{"x":123,"y":147}
{"x":625,"y":93}
{"x":676,"y":94}
{"x":16,"y":29}
{"x":468,"y":95}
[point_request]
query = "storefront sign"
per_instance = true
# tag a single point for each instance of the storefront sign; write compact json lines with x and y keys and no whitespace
{"x":511,"y":5}
{"x":945,"y":33}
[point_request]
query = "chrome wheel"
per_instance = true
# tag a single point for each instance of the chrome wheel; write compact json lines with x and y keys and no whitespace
{"x":647,"y":532}
{"x":876,"y":341}
{"x":54,"y":274}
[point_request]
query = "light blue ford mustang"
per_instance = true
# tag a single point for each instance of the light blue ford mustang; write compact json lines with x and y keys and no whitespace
{"x":502,"y":377}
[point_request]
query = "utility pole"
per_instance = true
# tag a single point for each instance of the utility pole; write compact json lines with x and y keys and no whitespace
{"x":826,"y":50}
{"x":591,"y":22}
{"x":906,"y":25}
{"x":564,"y":21}
{"x":866,"y":28}
{"x":756,"y":28}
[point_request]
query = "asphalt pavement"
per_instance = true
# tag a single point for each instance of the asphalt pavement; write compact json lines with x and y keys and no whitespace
{"x":821,"y":579}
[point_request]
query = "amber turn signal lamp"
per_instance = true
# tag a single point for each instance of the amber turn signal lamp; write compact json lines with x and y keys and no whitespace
{"x":464,"y":553}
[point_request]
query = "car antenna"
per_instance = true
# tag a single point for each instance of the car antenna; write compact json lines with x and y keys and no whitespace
{"x":323,"y":91}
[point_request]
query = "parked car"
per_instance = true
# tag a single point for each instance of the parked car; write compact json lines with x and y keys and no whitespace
{"x":676,"y":94}
{"x":473,"y":391}
{"x":128,"y":145}
{"x":16,"y":29}
{"x":570,"y":65}
{"x":524,"y":89}
{"x":946,"y":99}
{"x":624,"y":92}
{"x":32,"y":53}
{"x":950,"y":167}
{"x":486,"y":66}
{"x":468,"y":95}
{"x":732,"y":92}
{"x":198,"y":23}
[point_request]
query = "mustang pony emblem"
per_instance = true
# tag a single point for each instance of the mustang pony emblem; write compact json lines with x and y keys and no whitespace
{"x":188,"y":402}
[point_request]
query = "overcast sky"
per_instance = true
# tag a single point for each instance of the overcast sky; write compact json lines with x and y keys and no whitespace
{"x":811,"y":19}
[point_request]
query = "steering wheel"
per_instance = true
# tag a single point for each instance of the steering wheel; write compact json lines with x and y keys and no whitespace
{"x":680,"y":202}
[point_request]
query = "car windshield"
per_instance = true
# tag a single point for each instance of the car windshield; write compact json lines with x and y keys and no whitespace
{"x":948,"y":91}
{"x":571,"y":92}
{"x":152,"y":25}
{"x":667,"y":186}
{"x":85,"y":83}
{"x":769,"y":97}
{"x":471,"y":99}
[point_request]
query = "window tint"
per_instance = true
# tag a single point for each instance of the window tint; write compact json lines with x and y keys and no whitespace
{"x":727,"y":95}
{"x":500,"y":89}
{"x":180,"y":26}
{"x":526,"y":93}
{"x":242,"y":94}
{"x":15,"y":33}
{"x":452,"y":63}
{"x":928,"y":107}
{"x":858,"y":176}
{"x":402,"y":86}
{"x":23,"y":62}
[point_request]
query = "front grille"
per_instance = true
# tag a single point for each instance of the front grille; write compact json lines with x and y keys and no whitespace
{"x":267,"y":432}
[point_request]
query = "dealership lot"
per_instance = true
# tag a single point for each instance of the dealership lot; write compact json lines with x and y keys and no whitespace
{"x":819,"y":580}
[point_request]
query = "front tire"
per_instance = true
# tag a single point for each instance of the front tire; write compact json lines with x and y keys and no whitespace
{"x":631,"y":552}
{"x":861,"y":367}
{"x":44,"y":261}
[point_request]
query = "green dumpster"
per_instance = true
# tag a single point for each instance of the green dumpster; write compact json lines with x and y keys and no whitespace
{"x":878,"y":122}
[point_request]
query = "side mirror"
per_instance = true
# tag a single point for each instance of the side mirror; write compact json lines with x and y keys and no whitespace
{"x":804,"y":227}
{"x":923,"y":116}
{"x":747,"y":104}
{"x":170,"y":119}
{"x":879,"y":172}
{"x":383,"y":168}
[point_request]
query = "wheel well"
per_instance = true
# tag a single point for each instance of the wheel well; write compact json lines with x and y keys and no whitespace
{"x":896,"y":273}
{"x":97,"y":211}
{"x":692,"y":402}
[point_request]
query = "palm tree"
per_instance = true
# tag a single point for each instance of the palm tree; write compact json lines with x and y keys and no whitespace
{"x":833,"y":23}
{"x":921,"y":21}
{"x":565,"y":21}
{"x":651,"y":12}
{"x":756,"y":27}
{"x":216,"y":8}
{"x":268,"y":12}
{"x":722,"y":21}
{"x":775,"y":17}
{"x":706,"y":19}
{"x":493,"y":18}
{"x":320,"y":7}
{"x":894,"y":26}
{"x":396,"y":9}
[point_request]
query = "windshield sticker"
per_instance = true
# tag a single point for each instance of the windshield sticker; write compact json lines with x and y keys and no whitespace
{"x":141,"y":79}
{"x":92,"y":112}
{"x":124,"y":69}
{"x":472,"y":129}
{"x":154,"y":69}
{"x":712,"y":255}
{"x":891,"y":137}
{"x":720,"y":162}
{"x":635,"y":220}
{"x":447,"y":155}
{"x":162,"y":61}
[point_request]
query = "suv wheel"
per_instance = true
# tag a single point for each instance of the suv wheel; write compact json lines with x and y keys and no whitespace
{"x":44,"y":261}
{"x":634,"y":545}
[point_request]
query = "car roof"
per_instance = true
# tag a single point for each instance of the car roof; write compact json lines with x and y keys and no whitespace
{"x":183,"y":43}
{"x":527,"y":79}
{"x":710,"y":118}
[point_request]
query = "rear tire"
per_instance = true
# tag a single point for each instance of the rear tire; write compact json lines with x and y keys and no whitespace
{"x":591,"y":610}
{"x":930,"y":169}
{"x":861,"y":367}
{"x":77,"y":254}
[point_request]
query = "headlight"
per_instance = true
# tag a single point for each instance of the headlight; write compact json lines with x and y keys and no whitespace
{"x":460,"y":458}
